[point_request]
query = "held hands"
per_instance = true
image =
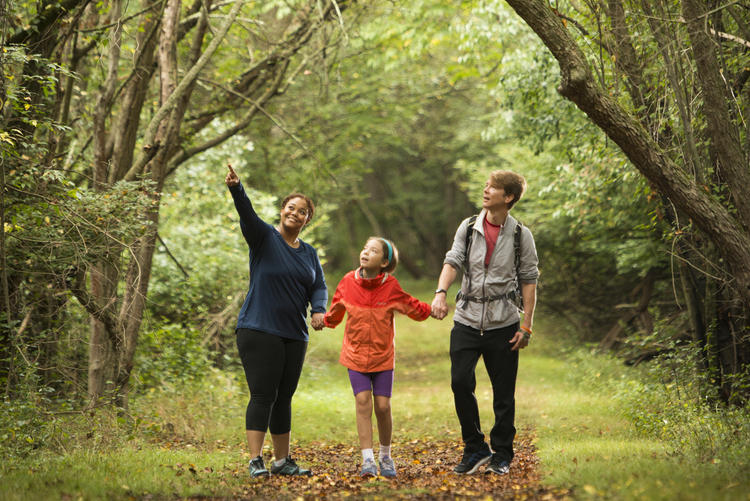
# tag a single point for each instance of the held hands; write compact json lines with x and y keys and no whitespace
{"x":317,"y":321}
{"x":439,"y":306}
{"x":232,"y":178}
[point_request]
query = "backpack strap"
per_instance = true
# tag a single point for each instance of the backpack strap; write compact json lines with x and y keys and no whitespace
{"x":469,"y":235}
{"x":517,"y":260}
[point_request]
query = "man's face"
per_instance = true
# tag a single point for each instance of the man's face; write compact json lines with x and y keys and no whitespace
{"x":494,"y":198}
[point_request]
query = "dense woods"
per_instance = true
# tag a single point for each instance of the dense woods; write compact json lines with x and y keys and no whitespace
{"x":628,"y":118}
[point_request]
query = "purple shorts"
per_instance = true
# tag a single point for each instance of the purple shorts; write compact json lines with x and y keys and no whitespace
{"x":380,"y":383}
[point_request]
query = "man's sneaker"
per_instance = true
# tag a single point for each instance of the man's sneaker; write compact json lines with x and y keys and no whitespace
{"x":498,"y":466}
{"x":388,"y":467}
{"x":369,"y":469}
{"x":472,"y":461}
{"x":290,"y":468}
{"x":257,"y":468}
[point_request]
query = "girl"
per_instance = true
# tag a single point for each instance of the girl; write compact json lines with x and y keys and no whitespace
{"x":371,"y":295}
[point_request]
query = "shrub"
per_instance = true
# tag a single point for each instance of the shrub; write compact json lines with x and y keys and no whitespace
{"x":681,"y":407}
{"x":169,"y":356}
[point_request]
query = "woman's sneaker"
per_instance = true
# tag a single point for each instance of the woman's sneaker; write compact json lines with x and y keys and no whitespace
{"x":290,"y":467}
{"x":369,"y":469}
{"x":388,"y":467}
{"x":257,"y":468}
{"x":472,"y":461}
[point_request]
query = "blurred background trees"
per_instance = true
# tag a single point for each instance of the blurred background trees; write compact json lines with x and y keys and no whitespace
{"x":122,"y":253}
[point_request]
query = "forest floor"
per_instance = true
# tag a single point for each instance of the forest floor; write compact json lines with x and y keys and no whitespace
{"x":425,"y":471}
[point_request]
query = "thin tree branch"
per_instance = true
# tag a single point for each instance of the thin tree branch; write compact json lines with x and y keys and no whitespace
{"x":174,"y":259}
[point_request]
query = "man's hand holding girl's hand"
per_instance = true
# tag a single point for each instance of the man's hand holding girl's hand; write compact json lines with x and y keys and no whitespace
{"x":439,"y":307}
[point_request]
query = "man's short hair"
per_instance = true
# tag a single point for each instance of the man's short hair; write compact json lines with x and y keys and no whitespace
{"x":512,"y":182}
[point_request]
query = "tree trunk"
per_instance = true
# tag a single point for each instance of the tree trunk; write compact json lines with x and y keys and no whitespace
{"x":726,"y":146}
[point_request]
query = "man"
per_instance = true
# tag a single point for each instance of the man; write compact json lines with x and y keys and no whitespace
{"x":486,"y":321}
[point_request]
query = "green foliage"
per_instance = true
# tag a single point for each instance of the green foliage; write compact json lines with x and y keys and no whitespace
{"x":54,"y":231}
{"x":27,"y":106}
{"x":378,"y":143}
{"x":681,"y":407}
{"x":24,"y":426}
{"x":169,"y":356}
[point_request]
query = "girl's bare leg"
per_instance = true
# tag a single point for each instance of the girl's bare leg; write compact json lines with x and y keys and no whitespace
{"x":363,"y":402}
{"x":385,"y":419}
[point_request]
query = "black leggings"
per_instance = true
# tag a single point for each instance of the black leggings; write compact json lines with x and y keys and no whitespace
{"x":273,"y":365}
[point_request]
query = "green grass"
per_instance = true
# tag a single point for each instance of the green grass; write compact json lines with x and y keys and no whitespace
{"x":575,"y":402}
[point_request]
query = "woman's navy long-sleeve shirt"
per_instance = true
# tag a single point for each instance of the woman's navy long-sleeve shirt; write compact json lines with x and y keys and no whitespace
{"x":283,"y":280}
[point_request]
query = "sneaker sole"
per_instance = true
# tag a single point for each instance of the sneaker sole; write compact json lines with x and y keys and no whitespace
{"x":308,"y":474}
{"x":368,"y":475}
{"x":481,"y":462}
{"x":496,"y":472}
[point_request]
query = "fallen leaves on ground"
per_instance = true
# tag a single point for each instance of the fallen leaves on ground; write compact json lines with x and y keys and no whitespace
{"x":425,"y":471}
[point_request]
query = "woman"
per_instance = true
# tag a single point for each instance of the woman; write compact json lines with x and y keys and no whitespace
{"x":285,"y":275}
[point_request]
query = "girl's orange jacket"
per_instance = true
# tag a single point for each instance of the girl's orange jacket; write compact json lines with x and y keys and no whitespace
{"x":370,"y":329}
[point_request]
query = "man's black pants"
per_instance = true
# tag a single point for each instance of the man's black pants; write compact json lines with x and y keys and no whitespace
{"x":467,"y":345}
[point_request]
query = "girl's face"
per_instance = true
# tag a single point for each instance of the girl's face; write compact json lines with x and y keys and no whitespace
{"x":295,"y":214}
{"x":372,"y":258}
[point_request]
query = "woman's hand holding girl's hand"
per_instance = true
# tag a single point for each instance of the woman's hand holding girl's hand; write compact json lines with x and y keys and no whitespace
{"x":317,"y":322}
{"x":232,"y":178}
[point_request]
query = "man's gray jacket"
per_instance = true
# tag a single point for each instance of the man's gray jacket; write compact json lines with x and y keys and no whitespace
{"x":497,"y":279}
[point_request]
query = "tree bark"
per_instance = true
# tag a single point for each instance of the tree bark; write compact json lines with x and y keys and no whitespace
{"x":726,"y":144}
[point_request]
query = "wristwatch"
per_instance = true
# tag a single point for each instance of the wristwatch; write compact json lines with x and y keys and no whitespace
{"x":441,"y":290}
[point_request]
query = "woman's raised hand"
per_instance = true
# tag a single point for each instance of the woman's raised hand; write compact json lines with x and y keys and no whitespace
{"x":232,"y":178}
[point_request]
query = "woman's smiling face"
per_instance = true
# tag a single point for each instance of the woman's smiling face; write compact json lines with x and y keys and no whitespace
{"x":295,"y":214}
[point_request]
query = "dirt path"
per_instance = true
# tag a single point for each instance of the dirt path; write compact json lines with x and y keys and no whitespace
{"x":425,"y":472}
